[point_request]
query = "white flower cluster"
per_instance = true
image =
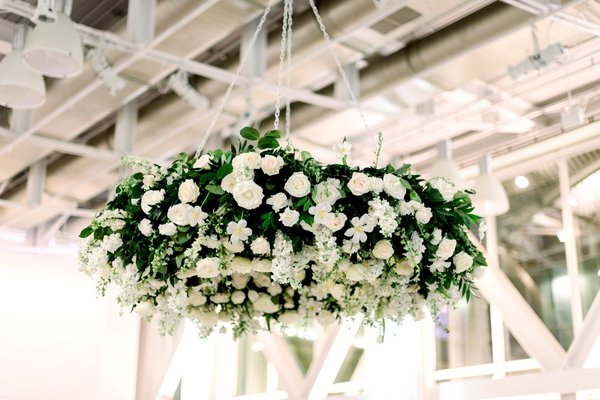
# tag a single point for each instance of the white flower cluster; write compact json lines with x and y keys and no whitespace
{"x":271,"y":236}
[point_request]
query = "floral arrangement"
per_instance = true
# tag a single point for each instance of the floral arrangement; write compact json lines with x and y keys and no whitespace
{"x":263,"y":234}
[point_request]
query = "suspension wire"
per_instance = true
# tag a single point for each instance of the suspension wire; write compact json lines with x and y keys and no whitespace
{"x":288,"y":109}
{"x":282,"y":54}
{"x":338,"y":63}
{"x":241,"y":66}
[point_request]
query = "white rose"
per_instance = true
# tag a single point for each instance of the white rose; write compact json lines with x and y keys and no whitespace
{"x":145,"y":309}
{"x":266,"y":305}
{"x":261,"y":280}
{"x":325,"y":318}
{"x":145,"y":226}
{"x":337,"y":291}
{"x":274,"y":289}
{"x":188,"y":191}
{"x":239,"y":281}
{"x":423,"y":215}
{"x":277,"y":201}
{"x":355,"y":272}
{"x":289,"y":217}
{"x":376,"y":184}
{"x":326,"y":193}
{"x":196,"y":299}
{"x":404,"y":268}
{"x":249,"y":160}
{"x":436,"y":238}
{"x":359,"y":184}
{"x":151,"y":198}
{"x":393,"y":187}
{"x":179,"y":214}
{"x":148,"y":180}
{"x":260,"y":245}
{"x":236,"y":247}
{"x":241,"y":265}
{"x":220,"y":298}
{"x":203,"y":162}
{"x":289,"y":317}
{"x":383,"y":250}
{"x":253,"y":295}
{"x":168,"y":229}
{"x":297,"y":185}
{"x":208,"y":267}
{"x":462,"y":262}
{"x":238,"y":297}
{"x":271,"y":165}
{"x":445,"y":248}
{"x":336,"y":222}
{"x":445,"y":187}
{"x":261,"y":265}
{"x":248,"y":195}
{"x":228,"y":183}
{"x":207,"y":319}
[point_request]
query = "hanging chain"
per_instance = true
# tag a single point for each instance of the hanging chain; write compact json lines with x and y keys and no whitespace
{"x":288,"y":110}
{"x":243,"y":61}
{"x":338,"y":63}
{"x":287,"y":5}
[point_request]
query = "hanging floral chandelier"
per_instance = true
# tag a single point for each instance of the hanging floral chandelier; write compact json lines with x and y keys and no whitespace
{"x":264,"y":234}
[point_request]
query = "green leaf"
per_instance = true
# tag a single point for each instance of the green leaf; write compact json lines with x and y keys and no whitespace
{"x":404,"y":183}
{"x":275,"y":134}
{"x":249,"y":133}
{"x":414,"y":196}
{"x":215,"y":189}
{"x":266,"y":142}
{"x":87,"y":231}
{"x":403,"y":170}
{"x":305,"y":155}
{"x":224,"y":170}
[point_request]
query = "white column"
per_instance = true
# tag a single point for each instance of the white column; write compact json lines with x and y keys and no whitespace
{"x":496,"y":321}
{"x":119,"y":360}
{"x":570,"y":246}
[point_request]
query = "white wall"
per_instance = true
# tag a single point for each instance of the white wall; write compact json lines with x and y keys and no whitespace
{"x":53,"y":333}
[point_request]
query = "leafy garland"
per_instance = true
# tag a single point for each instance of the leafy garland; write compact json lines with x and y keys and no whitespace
{"x":262,"y":233}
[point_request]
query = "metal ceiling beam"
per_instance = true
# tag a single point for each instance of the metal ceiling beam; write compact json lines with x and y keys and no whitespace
{"x":76,"y":212}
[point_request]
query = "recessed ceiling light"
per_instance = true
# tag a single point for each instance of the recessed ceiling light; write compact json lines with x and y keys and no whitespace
{"x":521,"y":181}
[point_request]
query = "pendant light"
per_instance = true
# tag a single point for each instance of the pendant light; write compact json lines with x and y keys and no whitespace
{"x":54,"y":47}
{"x":490,"y":198}
{"x":20,"y":87}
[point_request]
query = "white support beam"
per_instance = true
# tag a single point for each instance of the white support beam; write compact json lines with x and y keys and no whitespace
{"x":36,"y":182}
{"x":126,"y":127}
{"x":76,"y":212}
{"x":568,"y":224}
{"x":587,"y":337}
{"x":496,"y":321}
{"x":52,"y":229}
{"x":277,"y":352}
{"x":196,"y":376}
{"x":326,"y":365}
{"x":564,"y":382}
{"x":6,"y":33}
{"x":256,"y":63}
{"x":141,"y":20}
{"x":520,"y":319}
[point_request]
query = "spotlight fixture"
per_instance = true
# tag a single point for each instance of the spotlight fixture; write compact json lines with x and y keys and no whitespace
{"x":490,"y":199}
{"x":178,"y":82}
{"x":572,"y":116}
{"x":54,"y":47}
{"x":102,"y":68}
{"x":444,"y":167}
{"x":540,"y":59}
{"x":20,"y":87}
